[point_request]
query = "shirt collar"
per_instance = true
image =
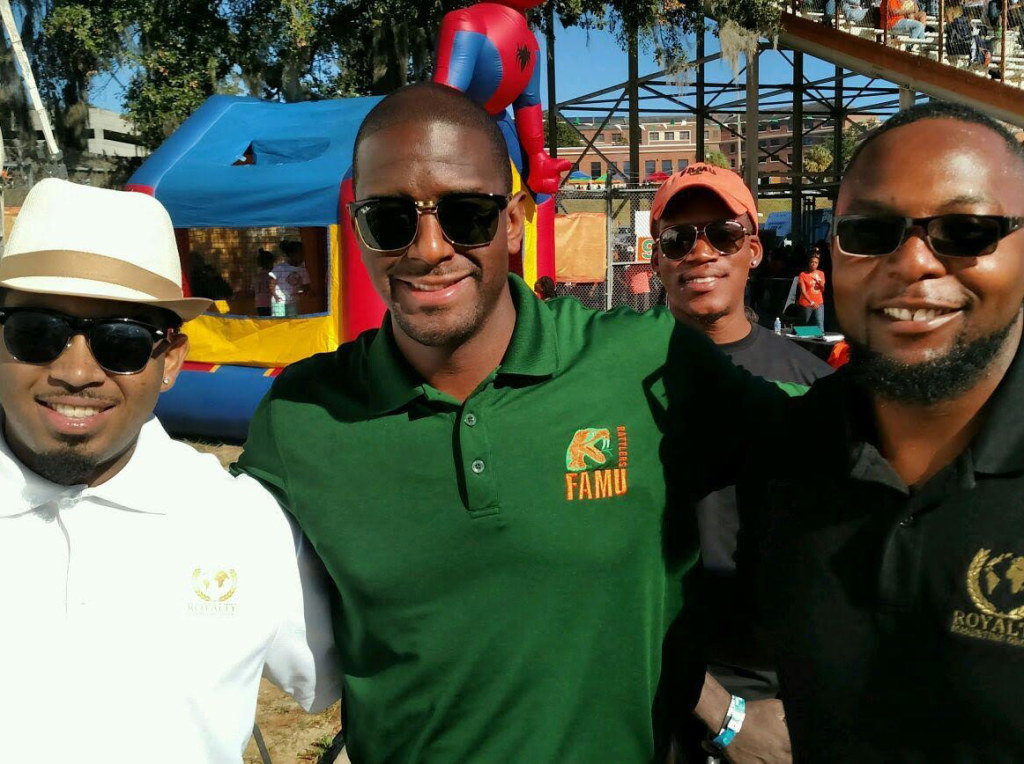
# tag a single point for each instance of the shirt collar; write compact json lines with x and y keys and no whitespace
{"x":532,"y":352}
{"x":999,"y":446}
{"x":135,"y":488}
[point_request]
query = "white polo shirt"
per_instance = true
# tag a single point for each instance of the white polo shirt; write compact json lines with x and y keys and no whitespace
{"x":137,"y":617}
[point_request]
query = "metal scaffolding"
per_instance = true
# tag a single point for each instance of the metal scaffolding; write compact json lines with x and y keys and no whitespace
{"x":737,"y":107}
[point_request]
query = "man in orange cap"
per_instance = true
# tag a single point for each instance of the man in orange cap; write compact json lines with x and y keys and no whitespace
{"x":704,"y":220}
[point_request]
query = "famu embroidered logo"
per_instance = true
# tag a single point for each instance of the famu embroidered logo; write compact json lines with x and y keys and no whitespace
{"x":995,"y":585}
{"x":596,"y":464}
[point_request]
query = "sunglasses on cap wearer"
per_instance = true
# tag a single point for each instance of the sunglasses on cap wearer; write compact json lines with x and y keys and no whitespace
{"x":390,"y":223}
{"x":119,"y":345}
{"x":953,"y":235}
{"x":726,"y":236}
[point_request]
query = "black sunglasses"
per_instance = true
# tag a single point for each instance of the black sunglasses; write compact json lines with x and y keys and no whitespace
{"x":119,"y":345}
{"x":726,"y":236}
{"x":953,"y":235}
{"x":389,"y":223}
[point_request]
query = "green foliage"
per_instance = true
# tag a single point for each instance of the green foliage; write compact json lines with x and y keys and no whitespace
{"x":176,"y":53}
{"x":717,"y":158}
{"x":564,"y":134}
{"x":817,"y":158}
{"x":852,"y":135}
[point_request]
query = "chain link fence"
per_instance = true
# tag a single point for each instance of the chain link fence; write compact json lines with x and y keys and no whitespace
{"x":628,"y":278}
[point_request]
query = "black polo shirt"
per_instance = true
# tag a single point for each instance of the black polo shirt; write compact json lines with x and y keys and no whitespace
{"x":896,"y":614}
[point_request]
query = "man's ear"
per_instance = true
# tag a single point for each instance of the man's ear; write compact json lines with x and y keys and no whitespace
{"x":515,"y":227}
{"x":756,"y":251}
{"x":174,"y":359}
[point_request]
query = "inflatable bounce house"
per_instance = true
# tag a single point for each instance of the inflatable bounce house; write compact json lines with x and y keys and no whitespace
{"x":253,"y":186}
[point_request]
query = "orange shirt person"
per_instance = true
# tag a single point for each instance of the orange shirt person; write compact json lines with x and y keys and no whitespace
{"x":812,"y":294}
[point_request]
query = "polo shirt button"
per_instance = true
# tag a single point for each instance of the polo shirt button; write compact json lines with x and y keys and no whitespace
{"x":469,"y":419}
{"x":907,"y":521}
{"x":478,"y":466}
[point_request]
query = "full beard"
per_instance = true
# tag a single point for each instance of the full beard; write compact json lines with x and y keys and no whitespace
{"x":932,"y":381}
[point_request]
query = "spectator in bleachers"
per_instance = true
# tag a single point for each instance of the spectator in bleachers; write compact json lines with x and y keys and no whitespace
{"x":962,"y":40}
{"x":904,"y":18}
{"x":853,"y":10}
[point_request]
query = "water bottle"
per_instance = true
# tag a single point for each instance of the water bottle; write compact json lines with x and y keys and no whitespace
{"x":778,"y":325}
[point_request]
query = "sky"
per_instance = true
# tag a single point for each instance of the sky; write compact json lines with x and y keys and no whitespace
{"x":584,"y":62}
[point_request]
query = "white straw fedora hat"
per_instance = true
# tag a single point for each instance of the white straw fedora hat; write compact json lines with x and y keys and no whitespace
{"x":78,"y":240}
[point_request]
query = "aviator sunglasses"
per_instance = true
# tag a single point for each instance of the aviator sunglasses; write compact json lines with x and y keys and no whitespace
{"x":726,"y":236}
{"x":954,"y":235}
{"x":119,"y":345}
{"x":390,"y":223}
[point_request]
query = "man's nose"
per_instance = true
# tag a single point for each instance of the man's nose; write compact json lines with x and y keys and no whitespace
{"x":77,"y":367}
{"x":914,"y":259}
{"x":430,"y":245}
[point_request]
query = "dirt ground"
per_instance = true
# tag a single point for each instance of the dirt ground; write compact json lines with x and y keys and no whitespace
{"x":290,"y":734}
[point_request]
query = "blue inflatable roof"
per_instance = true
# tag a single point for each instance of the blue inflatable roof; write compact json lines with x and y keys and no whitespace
{"x":243,"y":162}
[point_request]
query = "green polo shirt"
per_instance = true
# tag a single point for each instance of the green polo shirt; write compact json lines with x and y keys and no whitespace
{"x":506,"y":571}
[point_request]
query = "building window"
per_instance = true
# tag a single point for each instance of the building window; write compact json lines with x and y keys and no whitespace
{"x":618,"y":139}
{"x":666,"y":166}
{"x":649,"y":166}
{"x":732,"y":163}
{"x":685,"y":136}
{"x":627,"y":168}
{"x":773,"y":142}
{"x":613,"y":170}
{"x":599,"y":138}
{"x":776,"y":125}
{"x":682,"y":164}
{"x":670,"y":136}
{"x":595,"y":170}
{"x":707,"y":134}
{"x":655,"y":136}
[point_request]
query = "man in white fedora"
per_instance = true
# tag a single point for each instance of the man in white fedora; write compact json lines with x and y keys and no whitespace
{"x":143,"y":590}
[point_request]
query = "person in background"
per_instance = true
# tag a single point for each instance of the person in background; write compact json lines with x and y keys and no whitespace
{"x":962,"y":40}
{"x":811,"y":297}
{"x":545,"y":288}
{"x":289,"y":279}
{"x":638,"y":277}
{"x":705,"y":224}
{"x":904,"y":18}
{"x":262,"y":282}
{"x":144,"y":589}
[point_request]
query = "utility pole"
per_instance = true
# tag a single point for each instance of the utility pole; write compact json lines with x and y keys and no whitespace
{"x":549,"y":20}
{"x":635,"y":138}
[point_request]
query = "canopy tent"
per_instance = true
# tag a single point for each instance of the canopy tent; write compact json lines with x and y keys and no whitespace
{"x":247,"y":163}
{"x":657,"y":177}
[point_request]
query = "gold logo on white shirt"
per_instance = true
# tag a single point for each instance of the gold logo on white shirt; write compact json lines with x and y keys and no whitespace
{"x":214,"y":585}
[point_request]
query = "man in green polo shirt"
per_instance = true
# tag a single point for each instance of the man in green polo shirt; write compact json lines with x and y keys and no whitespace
{"x":481,"y":475}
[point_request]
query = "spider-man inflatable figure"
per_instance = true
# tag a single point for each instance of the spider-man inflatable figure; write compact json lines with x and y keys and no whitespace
{"x":488,"y":52}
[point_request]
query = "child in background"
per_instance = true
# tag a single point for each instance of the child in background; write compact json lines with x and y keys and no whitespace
{"x":261,"y":282}
{"x":289,"y":279}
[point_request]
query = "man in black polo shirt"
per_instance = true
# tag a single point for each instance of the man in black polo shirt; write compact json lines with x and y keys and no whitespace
{"x":704,"y":219}
{"x":891,"y":564}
